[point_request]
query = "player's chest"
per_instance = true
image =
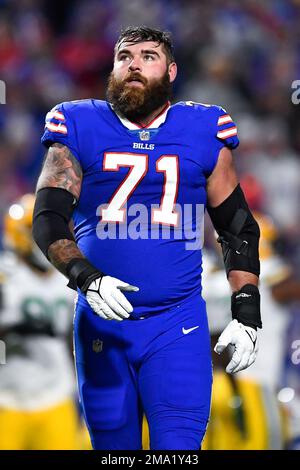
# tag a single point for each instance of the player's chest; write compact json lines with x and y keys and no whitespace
{"x":148,"y":172}
{"x":146,"y":157}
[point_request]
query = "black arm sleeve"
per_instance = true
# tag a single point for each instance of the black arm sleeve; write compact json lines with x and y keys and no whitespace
{"x":238,"y":233}
{"x":51,"y":216}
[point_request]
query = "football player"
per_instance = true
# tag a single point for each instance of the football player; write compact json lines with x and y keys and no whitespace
{"x":134,"y":173}
{"x":37,"y":383}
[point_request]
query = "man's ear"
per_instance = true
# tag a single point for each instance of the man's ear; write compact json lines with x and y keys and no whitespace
{"x":172,"y":69}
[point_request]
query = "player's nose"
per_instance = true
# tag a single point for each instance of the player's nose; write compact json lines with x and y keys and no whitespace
{"x":135,"y":65}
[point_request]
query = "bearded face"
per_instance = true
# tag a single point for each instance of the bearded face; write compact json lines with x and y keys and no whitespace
{"x":138,"y":102}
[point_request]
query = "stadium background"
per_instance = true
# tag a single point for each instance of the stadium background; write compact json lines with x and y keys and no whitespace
{"x":241,"y":55}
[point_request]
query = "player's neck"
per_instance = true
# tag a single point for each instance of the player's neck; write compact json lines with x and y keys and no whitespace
{"x":145,"y":121}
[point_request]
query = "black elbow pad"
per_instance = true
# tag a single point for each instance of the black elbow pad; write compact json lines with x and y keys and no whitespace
{"x":238,"y":233}
{"x":51,"y":216}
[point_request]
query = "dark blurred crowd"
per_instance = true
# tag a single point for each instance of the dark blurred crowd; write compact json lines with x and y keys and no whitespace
{"x":241,"y":55}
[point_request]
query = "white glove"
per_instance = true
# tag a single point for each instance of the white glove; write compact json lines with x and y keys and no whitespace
{"x":244,"y":340}
{"x":106,"y":299}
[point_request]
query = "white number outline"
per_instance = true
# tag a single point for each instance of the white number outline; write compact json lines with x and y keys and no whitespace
{"x":157,"y":215}
{"x":136,"y":180}
{"x":166,"y":197}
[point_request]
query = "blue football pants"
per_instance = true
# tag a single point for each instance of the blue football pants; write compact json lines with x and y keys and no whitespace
{"x":159,"y":365}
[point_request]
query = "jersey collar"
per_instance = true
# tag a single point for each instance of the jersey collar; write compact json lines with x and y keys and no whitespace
{"x":154,"y":124}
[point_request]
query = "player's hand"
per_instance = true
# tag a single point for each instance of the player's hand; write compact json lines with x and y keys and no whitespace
{"x":106,"y":299}
{"x":244,"y":340}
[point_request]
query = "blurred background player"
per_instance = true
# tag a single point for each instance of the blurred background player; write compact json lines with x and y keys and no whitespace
{"x":246,"y":412}
{"x":37,"y":407}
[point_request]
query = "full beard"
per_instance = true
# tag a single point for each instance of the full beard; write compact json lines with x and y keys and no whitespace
{"x":136,"y":103}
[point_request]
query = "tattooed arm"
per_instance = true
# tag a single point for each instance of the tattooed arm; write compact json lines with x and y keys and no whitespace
{"x":61,"y":170}
{"x":62,"y":252}
{"x":54,"y":208}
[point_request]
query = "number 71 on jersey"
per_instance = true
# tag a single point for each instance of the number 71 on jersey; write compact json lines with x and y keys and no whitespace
{"x":138,"y":164}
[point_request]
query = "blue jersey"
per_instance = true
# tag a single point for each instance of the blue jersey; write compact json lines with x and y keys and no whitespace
{"x":142,"y":192}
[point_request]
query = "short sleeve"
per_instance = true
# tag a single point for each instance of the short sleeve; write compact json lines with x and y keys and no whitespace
{"x":219,"y":131}
{"x":226,"y":130}
{"x":60,"y":128}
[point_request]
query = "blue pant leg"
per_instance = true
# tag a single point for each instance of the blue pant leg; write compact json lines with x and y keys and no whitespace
{"x":107,"y":383}
{"x":175,"y":381}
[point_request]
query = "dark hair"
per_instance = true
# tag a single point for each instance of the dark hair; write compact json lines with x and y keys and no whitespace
{"x":136,"y":34}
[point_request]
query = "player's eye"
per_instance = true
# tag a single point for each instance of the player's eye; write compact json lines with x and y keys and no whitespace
{"x":123,"y":57}
{"x":148,"y":57}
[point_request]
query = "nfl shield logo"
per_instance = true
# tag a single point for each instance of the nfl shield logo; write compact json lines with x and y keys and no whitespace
{"x":97,"y":345}
{"x":144,"y":135}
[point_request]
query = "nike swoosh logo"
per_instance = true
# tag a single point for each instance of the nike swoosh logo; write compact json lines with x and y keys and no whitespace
{"x":253,"y":339}
{"x":186,"y":332}
{"x":243,"y":295}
